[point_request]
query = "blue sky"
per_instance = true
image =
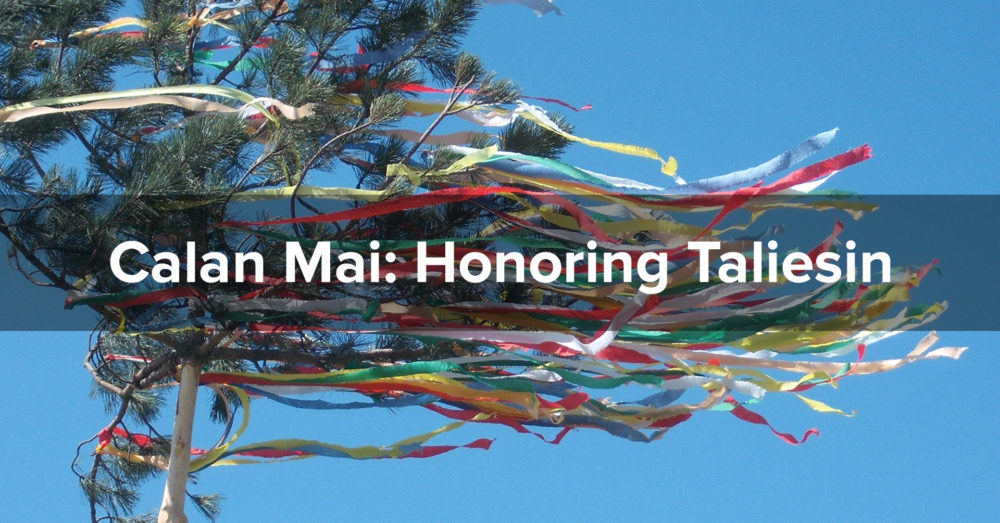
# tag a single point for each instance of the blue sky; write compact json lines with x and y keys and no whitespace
{"x":720,"y":86}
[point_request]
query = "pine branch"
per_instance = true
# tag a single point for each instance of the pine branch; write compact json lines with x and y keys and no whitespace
{"x":457,"y":92}
{"x":29,"y":254}
{"x":109,"y":169}
{"x":248,"y":44}
{"x":192,"y":35}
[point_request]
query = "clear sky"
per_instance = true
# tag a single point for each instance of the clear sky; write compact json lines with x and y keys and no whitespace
{"x":721,"y":86}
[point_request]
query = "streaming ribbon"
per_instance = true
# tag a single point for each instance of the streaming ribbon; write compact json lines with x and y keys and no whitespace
{"x":567,"y":354}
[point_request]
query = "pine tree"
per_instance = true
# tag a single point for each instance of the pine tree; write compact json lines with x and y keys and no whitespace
{"x":149,"y":171}
{"x":214,"y":127}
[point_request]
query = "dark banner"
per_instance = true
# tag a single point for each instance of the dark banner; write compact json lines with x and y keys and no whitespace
{"x":694,"y":263}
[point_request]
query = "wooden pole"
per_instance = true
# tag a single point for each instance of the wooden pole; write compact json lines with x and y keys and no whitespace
{"x":175,"y":491}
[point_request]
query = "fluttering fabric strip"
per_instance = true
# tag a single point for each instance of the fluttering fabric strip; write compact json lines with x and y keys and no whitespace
{"x":540,"y":366}
{"x":154,"y":95}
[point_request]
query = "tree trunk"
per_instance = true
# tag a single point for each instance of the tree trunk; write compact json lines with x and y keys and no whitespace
{"x":174,"y":493}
